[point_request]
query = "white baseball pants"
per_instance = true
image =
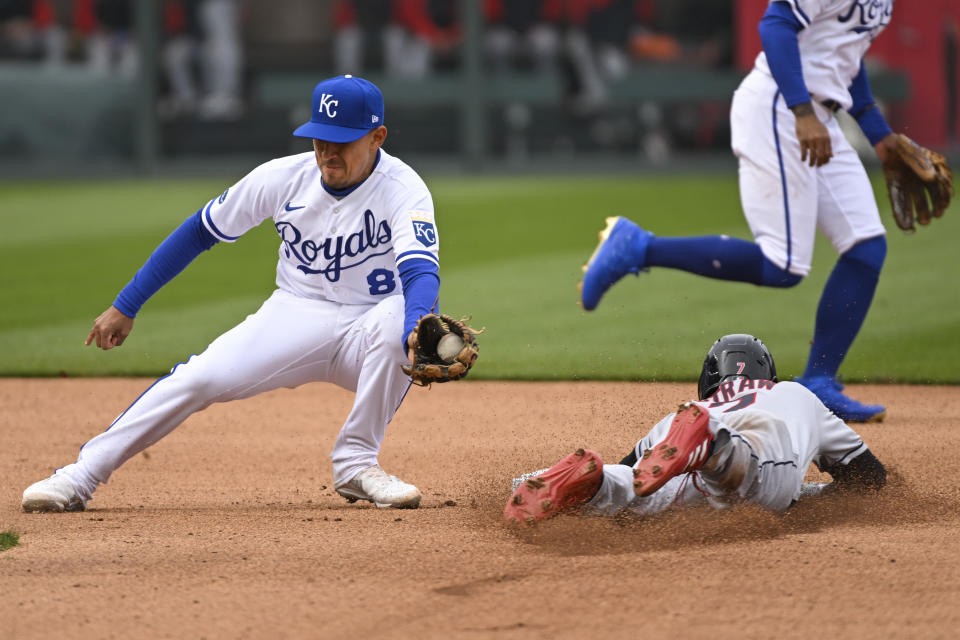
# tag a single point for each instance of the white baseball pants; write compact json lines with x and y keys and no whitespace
{"x":289,"y":341}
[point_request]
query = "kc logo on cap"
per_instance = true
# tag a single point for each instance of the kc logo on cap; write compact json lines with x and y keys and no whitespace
{"x":327,"y":104}
{"x":345,"y":108}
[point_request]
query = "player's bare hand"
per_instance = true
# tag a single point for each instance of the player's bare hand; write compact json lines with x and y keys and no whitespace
{"x":411,"y":350}
{"x":887,"y":147}
{"x":814,"y":139}
{"x":110,"y":329}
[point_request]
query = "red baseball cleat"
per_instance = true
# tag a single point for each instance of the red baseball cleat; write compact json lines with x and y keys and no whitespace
{"x":686,"y":448}
{"x":567,"y":484}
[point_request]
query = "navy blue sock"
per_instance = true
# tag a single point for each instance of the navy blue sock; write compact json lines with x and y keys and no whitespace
{"x":844,"y":304}
{"x":720,"y":257}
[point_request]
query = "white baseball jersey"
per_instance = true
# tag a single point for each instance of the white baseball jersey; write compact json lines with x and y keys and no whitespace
{"x":813,"y":434}
{"x":785,"y":201}
{"x":344,"y":250}
{"x":835,"y":36}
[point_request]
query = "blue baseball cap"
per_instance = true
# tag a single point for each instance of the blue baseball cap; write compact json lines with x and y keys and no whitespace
{"x":345,"y":109}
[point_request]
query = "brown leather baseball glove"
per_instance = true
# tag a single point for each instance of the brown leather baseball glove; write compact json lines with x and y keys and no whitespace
{"x":444,"y":349}
{"x":913,"y":174}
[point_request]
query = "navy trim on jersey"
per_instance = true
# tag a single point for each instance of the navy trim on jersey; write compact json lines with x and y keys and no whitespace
{"x":213,"y":227}
{"x":403,"y":257}
{"x":778,"y":464}
{"x":341,"y":193}
{"x":794,"y":6}
{"x":783,"y":182}
{"x":841,"y":459}
{"x":734,"y":434}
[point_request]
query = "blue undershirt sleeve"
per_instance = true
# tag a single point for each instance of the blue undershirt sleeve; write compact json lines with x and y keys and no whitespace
{"x":864,"y":109}
{"x":421,"y":291}
{"x":188,"y":241}
{"x":778,"y":32}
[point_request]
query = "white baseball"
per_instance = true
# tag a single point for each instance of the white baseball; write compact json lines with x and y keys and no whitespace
{"x":449,"y":346}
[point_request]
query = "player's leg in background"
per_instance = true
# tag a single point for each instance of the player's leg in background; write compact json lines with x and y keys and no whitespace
{"x":626,"y":248}
{"x":289,"y":341}
{"x":369,"y":362}
{"x":177,"y":57}
{"x":778,"y":190}
{"x":849,"y":217}
{"x":221,"y":58}
{"x":778,"y":195}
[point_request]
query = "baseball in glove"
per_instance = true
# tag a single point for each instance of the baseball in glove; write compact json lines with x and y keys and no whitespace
{"x":913,"y":174}
{"x":444,"y":349}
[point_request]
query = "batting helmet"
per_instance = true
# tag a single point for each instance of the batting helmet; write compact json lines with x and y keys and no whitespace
{"x":738,"y":354}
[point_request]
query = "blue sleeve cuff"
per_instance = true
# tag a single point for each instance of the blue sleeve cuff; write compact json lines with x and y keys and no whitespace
{"x":421,"y":291}
{"x":778,"y":32}
{"x":874,"y":125}
{"x":188,"y":241}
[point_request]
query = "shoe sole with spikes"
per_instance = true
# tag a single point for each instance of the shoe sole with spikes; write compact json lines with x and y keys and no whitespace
{"x":685,"y":449}
{"x":568,"y":484}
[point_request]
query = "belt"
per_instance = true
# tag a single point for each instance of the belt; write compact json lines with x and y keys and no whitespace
{"x":833,"y":105}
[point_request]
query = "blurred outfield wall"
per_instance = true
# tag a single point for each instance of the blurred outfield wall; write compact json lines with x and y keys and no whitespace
{"x":660,"y":110}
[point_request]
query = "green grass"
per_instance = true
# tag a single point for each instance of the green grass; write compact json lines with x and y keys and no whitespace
{"x":511,"y":250}
{"x":8,"y":540}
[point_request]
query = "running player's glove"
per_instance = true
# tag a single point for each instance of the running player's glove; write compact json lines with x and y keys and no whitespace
{"x":444,"y":349}
{"x":913,"y":173}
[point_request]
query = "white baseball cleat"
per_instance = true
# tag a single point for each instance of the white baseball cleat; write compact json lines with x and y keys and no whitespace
{"x":55,"y":494}
{"x":375,"y":485}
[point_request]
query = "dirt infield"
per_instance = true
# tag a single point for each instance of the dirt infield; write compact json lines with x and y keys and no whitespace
{"x":229,"y":528}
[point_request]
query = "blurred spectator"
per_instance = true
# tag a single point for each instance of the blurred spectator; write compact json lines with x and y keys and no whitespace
{"x":436,"y":25}
{"x":369,"y":36}
{"x":405,"y":38}
{"x":589,"y":43}
{"x":603,"y":37}
{"x":668,"y":34}
{"x":29,"y":30}
{"x":609,"y":24}
{"x":522,"y":33}
{"x":108,"y":37}
{"x":203,"y":36}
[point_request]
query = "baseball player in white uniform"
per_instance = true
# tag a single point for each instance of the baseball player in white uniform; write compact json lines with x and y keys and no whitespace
{"x":358,"y":265}
{"x":748,"y":439}
{"x":798,"y":174}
